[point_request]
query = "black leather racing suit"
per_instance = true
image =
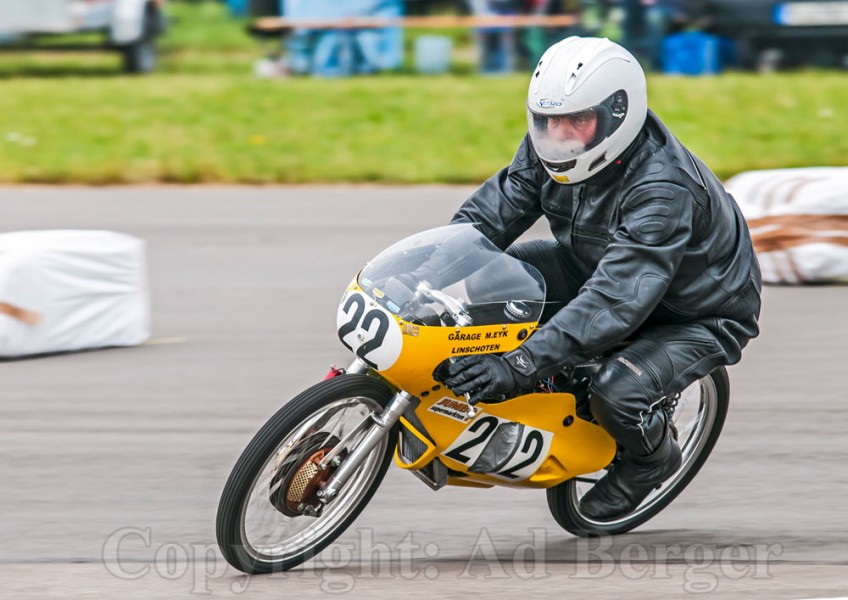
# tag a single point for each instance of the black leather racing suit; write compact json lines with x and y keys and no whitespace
{"x":651,"y":249}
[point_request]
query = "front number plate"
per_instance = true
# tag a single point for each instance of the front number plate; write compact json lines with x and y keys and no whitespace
{"x":369,"y":330}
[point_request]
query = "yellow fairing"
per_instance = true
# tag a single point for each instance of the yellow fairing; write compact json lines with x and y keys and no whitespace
{"x":572,"y":446}
{"x":550,"y":443}
{"x":423,"y":348}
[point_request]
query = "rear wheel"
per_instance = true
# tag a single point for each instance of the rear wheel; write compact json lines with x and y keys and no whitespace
{"x":698,"y":418}
{"x":269,"y":516}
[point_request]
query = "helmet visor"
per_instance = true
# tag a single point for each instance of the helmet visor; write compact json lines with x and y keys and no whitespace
{"x":560,"y":138}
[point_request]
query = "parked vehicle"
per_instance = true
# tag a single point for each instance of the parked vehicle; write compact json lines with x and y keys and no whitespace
{"x":129,"y":26}
{"x":770,"y":34}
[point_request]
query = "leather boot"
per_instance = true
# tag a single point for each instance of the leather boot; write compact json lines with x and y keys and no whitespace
{"x":630,"y":481}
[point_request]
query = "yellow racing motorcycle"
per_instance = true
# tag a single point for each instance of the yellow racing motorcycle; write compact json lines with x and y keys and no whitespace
{"x":313,"y":467}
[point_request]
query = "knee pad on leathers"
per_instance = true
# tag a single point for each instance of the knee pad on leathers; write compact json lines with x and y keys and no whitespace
{"x":628,"y":406}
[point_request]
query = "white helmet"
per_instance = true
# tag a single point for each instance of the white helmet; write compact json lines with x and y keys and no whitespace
{"x":586,"y":103}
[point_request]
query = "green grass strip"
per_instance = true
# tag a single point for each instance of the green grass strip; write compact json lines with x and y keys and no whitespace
{"x":204,"y":118}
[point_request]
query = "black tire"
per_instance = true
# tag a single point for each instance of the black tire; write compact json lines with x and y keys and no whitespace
{"x":139,"y":57}
{"x":266,"y":452}
{"x":563,"y":499}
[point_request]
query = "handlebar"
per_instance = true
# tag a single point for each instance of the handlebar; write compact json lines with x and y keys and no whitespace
{"x":454,"y":306}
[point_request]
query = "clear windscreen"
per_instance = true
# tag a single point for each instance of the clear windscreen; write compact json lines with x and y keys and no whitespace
{"x":454,"y":276}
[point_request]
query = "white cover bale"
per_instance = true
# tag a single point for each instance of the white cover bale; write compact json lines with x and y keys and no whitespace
{"x":71,"y":290}
{"x":799,"y":222}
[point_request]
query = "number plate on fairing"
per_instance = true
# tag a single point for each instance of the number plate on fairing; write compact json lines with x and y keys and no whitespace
{"x":502,"y":448}
{"x":369,"y":330}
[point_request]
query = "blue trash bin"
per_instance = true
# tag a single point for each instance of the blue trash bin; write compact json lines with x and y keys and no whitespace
{"x":692,"y":53}
{"x":238,"y":8}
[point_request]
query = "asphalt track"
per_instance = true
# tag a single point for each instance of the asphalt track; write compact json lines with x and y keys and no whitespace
{"x":113,"y":460}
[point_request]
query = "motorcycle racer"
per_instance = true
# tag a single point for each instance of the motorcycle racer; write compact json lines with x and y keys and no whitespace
{"x":647,"y":247}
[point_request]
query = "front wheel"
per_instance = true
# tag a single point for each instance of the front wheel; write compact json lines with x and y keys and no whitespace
{"x":269,"y":516}
{"x":698,"y":418}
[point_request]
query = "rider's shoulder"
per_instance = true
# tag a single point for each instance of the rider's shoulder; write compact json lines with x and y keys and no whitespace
{"x":660,"y":161}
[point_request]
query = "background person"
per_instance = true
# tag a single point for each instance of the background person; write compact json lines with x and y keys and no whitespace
{"x":496,"y":44}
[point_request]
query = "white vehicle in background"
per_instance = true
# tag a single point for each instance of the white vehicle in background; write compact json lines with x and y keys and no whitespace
{"x":129,"y":26}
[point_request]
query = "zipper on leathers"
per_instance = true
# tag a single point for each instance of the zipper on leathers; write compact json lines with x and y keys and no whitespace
{"x":576,"y":213}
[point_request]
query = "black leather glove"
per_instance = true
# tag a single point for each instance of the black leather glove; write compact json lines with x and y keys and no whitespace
{"x":486,"y":377}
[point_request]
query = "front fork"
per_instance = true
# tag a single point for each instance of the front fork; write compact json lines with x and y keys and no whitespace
{"x":381,"y":425}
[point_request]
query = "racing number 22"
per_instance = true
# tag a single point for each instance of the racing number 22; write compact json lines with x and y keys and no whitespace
{"x":357,"y":321}
{"x":528,"y":452}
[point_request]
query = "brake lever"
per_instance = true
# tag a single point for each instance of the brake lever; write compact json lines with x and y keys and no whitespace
{"x":472,"y":410}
